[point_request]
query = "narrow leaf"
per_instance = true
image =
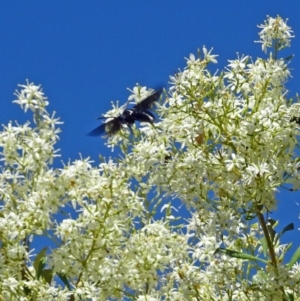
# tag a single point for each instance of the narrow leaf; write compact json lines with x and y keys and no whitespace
{"x":289,"y":227}
{"x":64,"y":279}
{"x":295,"y":258}
{"x":40,"y":262}
{"x":235,"y":254}
{"x":47,"y":274}
{"x":264,"y":246}
{"x":270,"y":225}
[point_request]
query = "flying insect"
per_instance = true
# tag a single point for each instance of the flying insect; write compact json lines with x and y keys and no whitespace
{"x":139,"y":112}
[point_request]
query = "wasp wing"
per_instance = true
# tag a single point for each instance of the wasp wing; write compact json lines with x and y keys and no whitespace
{"x":97,"y":131}
{"x":148,"y":102}
{"x":109,"y":128}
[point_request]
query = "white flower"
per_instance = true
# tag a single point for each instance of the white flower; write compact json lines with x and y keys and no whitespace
{"x":208,"y":57}
{"x":139,"y":93}
{"x":192,"y":60}
{"x":147,"y":298}
{"x":275,"y":33}
{"x":31,"y":97}
{"x":235,"y":162}
{"x":11,"y":284}
{"x":239,"y":64}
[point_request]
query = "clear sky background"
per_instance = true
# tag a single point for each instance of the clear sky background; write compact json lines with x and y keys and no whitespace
{"x":86,"y":53}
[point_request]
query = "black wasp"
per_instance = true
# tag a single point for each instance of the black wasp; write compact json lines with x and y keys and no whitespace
{"x":139,"y":112}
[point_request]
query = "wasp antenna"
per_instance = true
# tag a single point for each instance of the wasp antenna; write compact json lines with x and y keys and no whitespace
{"x":126,"y":105}
{"x":102,"y":117}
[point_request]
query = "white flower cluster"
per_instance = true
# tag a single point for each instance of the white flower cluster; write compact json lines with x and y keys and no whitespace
{"x":275,"y":32}
{"x":223,"y":147}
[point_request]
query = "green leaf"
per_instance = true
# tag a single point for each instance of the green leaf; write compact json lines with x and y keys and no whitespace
{"x":289,"y":227}
{"x":40,"y":262}
{"x":264,"y":246}
{"x":291,"y":297}
{"x":271,"y":224}
{"x":295,"y":258}
{"x":235,"y":254}
{"x":64,"y":279}
{"x":47,"y":274}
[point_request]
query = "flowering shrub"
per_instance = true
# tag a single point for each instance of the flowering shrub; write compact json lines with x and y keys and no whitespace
{"x":223,"y":146}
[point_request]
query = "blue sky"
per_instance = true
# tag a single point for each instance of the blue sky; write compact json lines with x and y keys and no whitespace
{"x":86,"y":53}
